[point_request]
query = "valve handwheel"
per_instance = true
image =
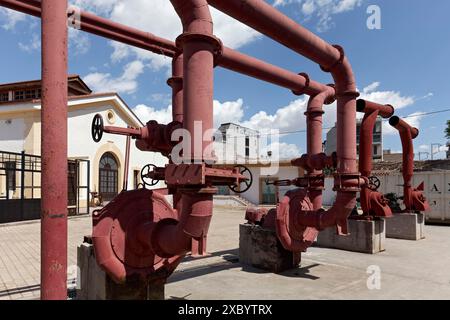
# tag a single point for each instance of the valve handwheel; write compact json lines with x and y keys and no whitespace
{"x":374,"y":183}
{"x":244,"y":185}
{"x":145,"y":175}
{"x":97,"y":128}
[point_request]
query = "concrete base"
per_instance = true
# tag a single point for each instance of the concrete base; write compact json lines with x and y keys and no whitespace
{"x":94,"y":284}
{"x":365,"y":236}
{"x":407,"y":226}
{"x":260,"y":248}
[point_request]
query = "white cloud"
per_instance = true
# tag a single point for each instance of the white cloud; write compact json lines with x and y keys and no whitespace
{"x":229,"y":111}
{"x":147,"y":113}
{"x":323,"y":10}
{"x":33,"y":45}
{"x":281,"y":150}
{"x":9,"y":18}
{"x":126,"y":83}
{"x":160,"y":18}
{"x":394,"y":98}
{"x":79,"y":42}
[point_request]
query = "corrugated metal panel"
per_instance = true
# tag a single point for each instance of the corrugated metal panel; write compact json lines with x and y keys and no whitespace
{"x":437,"y":191}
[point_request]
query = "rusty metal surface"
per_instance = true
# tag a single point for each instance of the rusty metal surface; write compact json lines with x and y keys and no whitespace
{"x":122,"y":233}
{"x":54,"y":151}
{"x":413,"y":198}
{"x":373,"y":203}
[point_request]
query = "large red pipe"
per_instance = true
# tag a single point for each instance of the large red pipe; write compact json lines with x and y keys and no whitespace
{"x":407,"y":134}
{"x":372,"y":202}
{"x":371,"y":112}
{"x":176,"y":83}
{"x":198,"y":46}
{"x":54,"y":151}
{"x":229,"y":59}
{"x":314,"y":122}
{"x":263,"y":17}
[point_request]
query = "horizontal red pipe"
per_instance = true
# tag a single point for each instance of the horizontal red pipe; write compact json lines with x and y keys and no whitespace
{"x":230,"y":59}
{"x":241,"y":63}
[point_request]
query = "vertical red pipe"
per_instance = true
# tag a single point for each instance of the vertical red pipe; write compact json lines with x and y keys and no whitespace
{"x":407,"y":134}
{"x":314,"y":122}
{"x":176,"y":83}
{"x":54,"y":151}
{"x":198,"y":46}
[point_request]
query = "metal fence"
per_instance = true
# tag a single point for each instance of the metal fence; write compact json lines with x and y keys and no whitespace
{"x":20,"y":186}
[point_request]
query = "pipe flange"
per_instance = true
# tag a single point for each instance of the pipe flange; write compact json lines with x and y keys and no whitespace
{"x":348,"y":182}
{"x":308,"y":81}
{"x":174,"y":80}
{"x":331,"y":99}
{"x":350,"y":93}
{"x":338,"y":62}
{"x":190,"y":36}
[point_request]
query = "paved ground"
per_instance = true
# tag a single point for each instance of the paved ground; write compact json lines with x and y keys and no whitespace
{"x":409,"y":270}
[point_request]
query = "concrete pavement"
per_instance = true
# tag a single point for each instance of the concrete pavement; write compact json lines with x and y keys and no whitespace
{"x":408,"y":269}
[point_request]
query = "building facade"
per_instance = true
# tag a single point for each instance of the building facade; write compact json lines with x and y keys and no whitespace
{"x":236,"y":144}
{"x":330,"y":144}
{"x":20,"y":131}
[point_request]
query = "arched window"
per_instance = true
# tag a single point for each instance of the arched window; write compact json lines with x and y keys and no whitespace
{"x":108,"y":176}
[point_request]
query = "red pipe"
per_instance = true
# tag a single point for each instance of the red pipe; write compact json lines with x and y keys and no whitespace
{"x":407,"y":134}
{"x":372,"y":202}
{"x":263,"y":17}
{"x":371,"y":112}
{"x":198,"y":46}
{"x":241,"y":63}
{"x":54,"y":151}
{"x":314,"y":122}
{"x":229,"y":59}
{"x":176,"y":83}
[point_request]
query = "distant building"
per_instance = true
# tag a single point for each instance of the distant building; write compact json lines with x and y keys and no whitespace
{"x":234,"y":143}
{"x":388,"y":156}
{"x":20,"y":131}
{"x":330,"y":145}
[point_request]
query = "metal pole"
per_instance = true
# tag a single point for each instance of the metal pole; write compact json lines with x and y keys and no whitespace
{"x":22,"y":184}
{"x":127,"y":164}
{"x":54,"y":151}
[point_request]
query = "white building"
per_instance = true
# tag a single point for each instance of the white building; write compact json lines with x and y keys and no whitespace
{"x":20,"y":131}
{"x":330,"y":144}
{"x":236,"y":144}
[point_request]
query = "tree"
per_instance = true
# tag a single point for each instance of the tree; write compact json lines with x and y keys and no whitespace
{"x":447,"y":130}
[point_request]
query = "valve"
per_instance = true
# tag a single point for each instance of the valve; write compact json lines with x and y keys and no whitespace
{"x":374,"y":183}
{"x":151,"y":175}
{"x":236,"y":187}
{"x":97,"y":128}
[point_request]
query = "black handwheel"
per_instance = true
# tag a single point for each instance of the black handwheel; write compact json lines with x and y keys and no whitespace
{"x":374,"y":183}
{"x":237,"y":188}
{"x":146,"y":170}
{"x":97,"y":128}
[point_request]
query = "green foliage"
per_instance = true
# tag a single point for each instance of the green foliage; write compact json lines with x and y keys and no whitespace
{"x":447,"y":130}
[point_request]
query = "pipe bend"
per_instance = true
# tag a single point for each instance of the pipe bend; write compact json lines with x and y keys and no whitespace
{"x":195,"y":16}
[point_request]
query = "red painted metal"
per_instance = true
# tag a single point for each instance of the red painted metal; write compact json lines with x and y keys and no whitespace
{"x":255,"y":215}
{"x":227,"y":58}
{"x":176,"y":83}
{"x":413,"y":199}
{"x":127,"y":163}
{"x":54,"y":151}
{"x":263,"y":17}
{"x":121,"y":234}
{"x":373,"y":203}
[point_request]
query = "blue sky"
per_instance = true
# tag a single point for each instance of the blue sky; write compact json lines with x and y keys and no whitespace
{"x":405,"y":63}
